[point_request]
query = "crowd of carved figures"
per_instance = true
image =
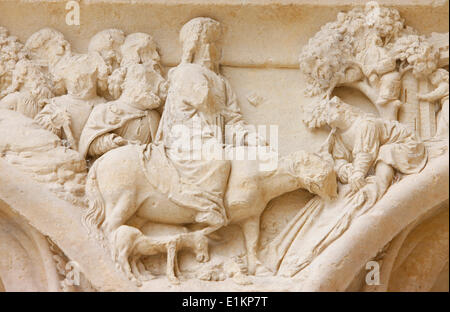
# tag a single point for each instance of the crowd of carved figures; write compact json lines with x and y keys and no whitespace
{"x":114,"y":106}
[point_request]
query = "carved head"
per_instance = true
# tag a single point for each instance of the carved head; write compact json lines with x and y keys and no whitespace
{"x":313,"y":173}
{"x":200,"y":38}
{"x":28,"y":76}
{"x":143,"y":86}
{"x":139,"y":48}
{"x":107,"y":44}
{"x":47,"y":46}
{"x":339,"y":114}
{"x":79,"y":74}
{"x":385,"y":21}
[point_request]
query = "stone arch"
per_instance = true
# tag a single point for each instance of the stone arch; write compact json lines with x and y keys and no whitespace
{"x":27,"y":263}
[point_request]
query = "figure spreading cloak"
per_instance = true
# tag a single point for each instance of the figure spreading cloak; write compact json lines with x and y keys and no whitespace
{"x":370,"y":140}
{"x":118,"y":117}
{"x":77,"y":110}
{"x":319,"y":223}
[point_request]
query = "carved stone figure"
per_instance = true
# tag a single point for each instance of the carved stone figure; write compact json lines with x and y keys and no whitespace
{"x":30,"y":90}
{"x":130,"y":245}
{"x":361,"y":142}
{"x":130,"y":119}
{"x":371,"y":50}
{"x":358,"y":144}
{"x":142,"y":89}
{"x":145,"y":191}
{"x":138,"y":48}
{"x":104,"y":48}
{"x":176,"y":200}
{"x":199,"y":94}
{"x":378,"y":65}
{"x":107,"y":44}
{"x":66,"y":115}
{"x":380,"y":68}
{"x":439,"y":79}
{"x":49,"y":49}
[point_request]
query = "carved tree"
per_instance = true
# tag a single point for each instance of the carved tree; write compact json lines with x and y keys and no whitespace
{"x":418,"y":59}
{"x":372,"y":51}
{"x":11,"y":51}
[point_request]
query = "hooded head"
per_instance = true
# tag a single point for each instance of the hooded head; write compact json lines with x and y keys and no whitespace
{"x":143,"y":87}
{"x":139,"y":48}
{"x":200,"y":38}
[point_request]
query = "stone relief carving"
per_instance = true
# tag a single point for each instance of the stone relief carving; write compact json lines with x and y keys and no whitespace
{"x":161,"y":172}
{"x":373,"y":51}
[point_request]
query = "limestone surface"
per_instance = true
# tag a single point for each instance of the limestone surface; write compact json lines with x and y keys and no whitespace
{"x":224,"y":145}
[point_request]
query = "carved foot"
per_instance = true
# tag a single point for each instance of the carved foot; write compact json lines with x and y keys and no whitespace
{"x":139,"y":271}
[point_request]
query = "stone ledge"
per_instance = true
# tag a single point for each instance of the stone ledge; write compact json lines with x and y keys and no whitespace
{"x":334,"y":3}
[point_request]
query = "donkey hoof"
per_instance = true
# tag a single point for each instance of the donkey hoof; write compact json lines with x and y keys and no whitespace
{"x":147,"y":277}
{"x":202,"y":258}
{"x":136,"y":281}
{"x":174,"y":280}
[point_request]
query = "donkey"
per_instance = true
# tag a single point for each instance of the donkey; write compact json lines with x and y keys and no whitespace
{"x":120,"y":186}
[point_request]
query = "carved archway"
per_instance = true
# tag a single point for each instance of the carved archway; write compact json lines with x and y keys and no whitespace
{"x":27,"y":263}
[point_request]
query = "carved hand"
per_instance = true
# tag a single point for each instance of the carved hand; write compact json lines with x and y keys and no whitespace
{"x":60,"y":119}
{"x":119,"y":141}
{"x":357,"y":181}
{"x":345,"y":172}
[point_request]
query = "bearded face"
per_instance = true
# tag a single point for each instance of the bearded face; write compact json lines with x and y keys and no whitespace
{"x":144,"y":87}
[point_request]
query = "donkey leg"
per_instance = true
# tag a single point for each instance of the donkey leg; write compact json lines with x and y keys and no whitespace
{"x":139,"y":270}
{"x":250,"y":227}
{"x":122,"y":248}
{"x":172,"y":262}
{"x":124,"y":209}
{"x":200,"y":246}
{"x":176,"y":266}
